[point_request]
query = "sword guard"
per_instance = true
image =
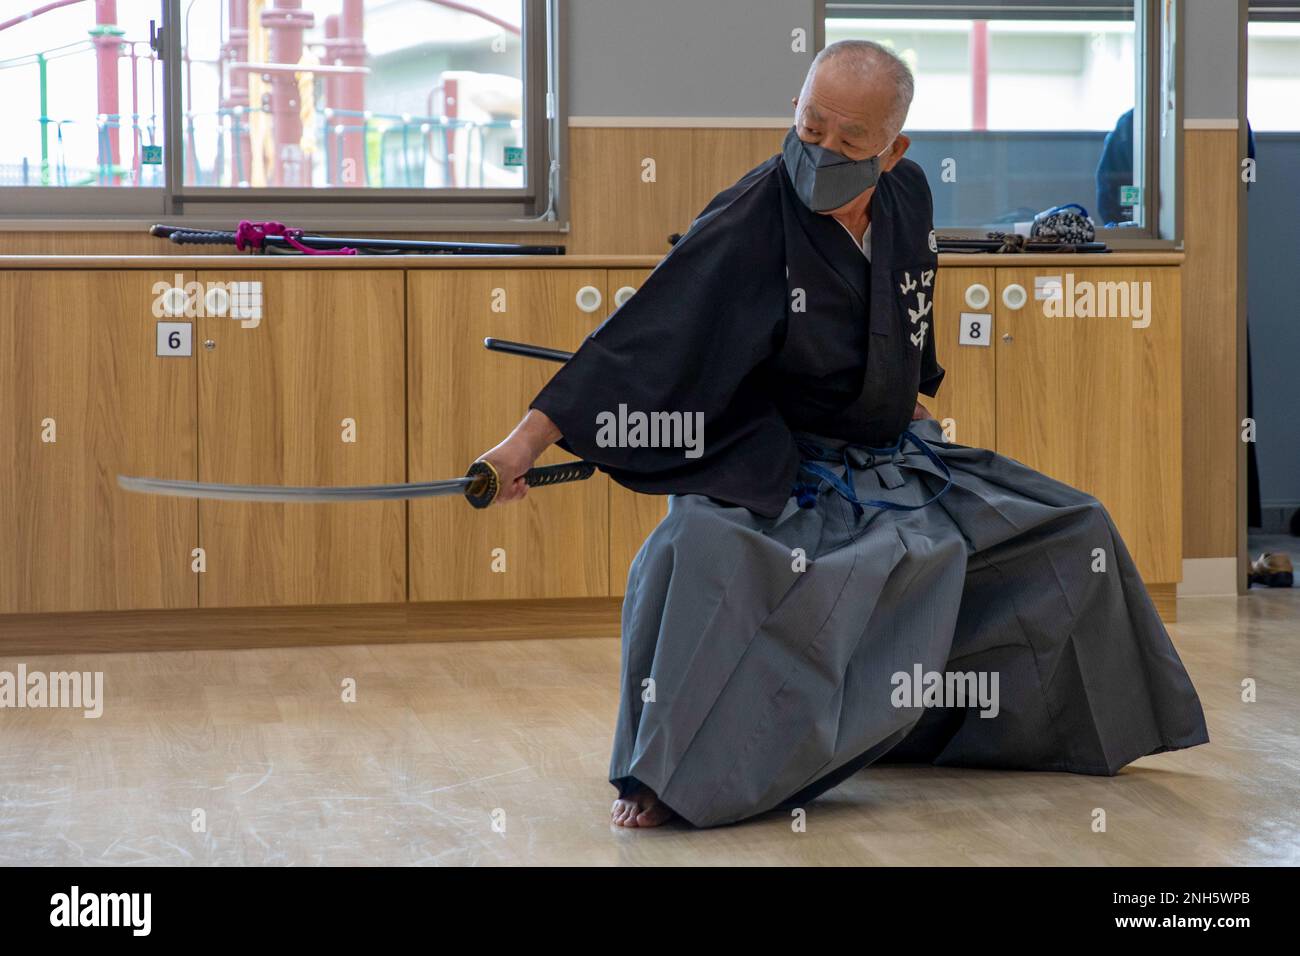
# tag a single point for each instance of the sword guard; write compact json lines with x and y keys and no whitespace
{"x":487,"y":482}
{"x":483,"y":491}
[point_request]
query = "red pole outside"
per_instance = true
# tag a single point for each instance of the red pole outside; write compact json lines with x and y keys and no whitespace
{"x":352,"y":91}
{"x":107,"y":38}
{"x":331,"y":58}
{"x":286,"y":23}
{"x":979,"y":74}
{"x":332,"y":97}
{"x":450,"y":110}
{"x":235,"y":50}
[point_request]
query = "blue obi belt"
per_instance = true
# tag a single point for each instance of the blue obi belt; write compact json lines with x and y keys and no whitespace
{"x":816,"y":457}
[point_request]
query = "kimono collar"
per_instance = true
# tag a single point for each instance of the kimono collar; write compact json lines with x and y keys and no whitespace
{"x":883,"y":310}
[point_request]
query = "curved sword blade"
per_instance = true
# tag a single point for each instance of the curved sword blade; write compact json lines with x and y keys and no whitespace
{"x":215,"y":492}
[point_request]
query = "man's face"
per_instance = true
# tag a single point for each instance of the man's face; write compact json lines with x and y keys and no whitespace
{"x":837,"y":111}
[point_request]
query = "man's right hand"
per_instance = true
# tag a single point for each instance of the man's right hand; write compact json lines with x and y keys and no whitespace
{"x":514,"y":456}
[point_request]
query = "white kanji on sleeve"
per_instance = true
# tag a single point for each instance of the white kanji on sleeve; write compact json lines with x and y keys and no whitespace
{"x":922,"y":308}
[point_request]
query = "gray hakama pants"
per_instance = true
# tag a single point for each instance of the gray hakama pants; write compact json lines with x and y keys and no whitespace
{"x":752,"y":679}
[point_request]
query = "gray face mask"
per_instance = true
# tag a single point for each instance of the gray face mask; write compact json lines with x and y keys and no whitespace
{"x":825,"y":180}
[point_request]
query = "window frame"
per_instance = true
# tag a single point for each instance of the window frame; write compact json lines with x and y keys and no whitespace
{"x":539,"y":205}
{"x":1162,"y":109}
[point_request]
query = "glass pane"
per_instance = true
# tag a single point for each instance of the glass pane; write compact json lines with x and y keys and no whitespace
{"x":1273,"y":85}
{"x":1015,"y":116}
{"x":82,"y":94}
{"x":354,"y":93}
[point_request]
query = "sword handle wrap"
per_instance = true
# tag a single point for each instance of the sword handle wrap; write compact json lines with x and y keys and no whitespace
{"x":200,"y":237}
{"x":484,"y":489}
{"x":558,"y":474}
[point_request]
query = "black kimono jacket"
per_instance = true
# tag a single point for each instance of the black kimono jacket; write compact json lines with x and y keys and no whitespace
{"x":766,"y":319}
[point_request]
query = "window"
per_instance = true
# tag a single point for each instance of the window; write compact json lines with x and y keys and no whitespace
{"x":82,"y":95}
{"x":1022,"y":105}
{"x":1273,"y":64}
{"x":386,"y":110}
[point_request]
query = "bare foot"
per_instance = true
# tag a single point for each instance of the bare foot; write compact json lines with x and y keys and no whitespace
{"x":640,"y":808}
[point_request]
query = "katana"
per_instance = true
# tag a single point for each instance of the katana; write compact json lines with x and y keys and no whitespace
{"x":276,"y":238}
{"x":479,"y":487}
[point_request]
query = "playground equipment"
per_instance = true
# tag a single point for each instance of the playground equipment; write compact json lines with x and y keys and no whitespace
{"x":270,"y":119}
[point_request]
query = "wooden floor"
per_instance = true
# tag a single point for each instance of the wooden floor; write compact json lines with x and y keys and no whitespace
{"x":443,"y":737}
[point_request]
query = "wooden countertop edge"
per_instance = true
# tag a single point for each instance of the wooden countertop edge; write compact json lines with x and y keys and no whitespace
{"x":260,"y":263}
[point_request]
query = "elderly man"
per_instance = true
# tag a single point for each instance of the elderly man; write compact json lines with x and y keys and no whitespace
{"x":834,"y":583}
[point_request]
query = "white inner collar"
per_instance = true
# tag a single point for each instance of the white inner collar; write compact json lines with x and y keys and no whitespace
{"x":866,"y":239}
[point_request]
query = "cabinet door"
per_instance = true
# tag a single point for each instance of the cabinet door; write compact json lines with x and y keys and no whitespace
{"x":86,"y":398}
{"x":966,"y":403}
{"x":273,"y":400}
{"x":631,"y":516}
{"x":464,"y":400}
{"x":1088,"y":398}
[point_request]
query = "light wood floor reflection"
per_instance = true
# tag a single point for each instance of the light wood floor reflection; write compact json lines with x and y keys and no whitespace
{"x":495,"y":753}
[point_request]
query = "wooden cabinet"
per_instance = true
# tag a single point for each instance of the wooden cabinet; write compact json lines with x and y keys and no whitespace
{"x":463,"y":401}
{"x":1094,"y":400}
{"x":393,"y":358}
{"x":632,"y":516}
{"x":78,"y":365}
{"x":966,"y":401}
{"x":1090,"y":400}
{"x":275,"y":401}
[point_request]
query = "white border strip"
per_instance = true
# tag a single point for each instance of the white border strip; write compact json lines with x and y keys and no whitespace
{"x":1226,"y":123}
{"x":1208,"y":576}
{"x":682,"y":122}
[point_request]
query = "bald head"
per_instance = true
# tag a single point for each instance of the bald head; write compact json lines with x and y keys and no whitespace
{"x":868,"y":78}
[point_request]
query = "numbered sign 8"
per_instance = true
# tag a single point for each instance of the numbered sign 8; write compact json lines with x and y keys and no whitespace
{"x":976,"y":329}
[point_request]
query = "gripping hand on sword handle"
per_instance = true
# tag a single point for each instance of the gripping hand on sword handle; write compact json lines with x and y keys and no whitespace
{"x":522,"y":447}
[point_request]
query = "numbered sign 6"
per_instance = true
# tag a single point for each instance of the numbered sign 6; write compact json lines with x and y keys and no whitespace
{"x":175,"y":339}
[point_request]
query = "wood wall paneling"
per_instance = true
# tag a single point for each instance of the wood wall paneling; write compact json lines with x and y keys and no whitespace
{"x":463,"y":401}
{"x":967,"y":395}
{"x":613,"y":206}
{"x":1211,"y":424}
{"x":79,"y":349}
{"x":272,"y":400}
{"x":1094,"y":402}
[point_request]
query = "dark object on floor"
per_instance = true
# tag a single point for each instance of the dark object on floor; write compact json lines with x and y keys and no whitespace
{"x":1295,"y":523}
{"x":275,"y":238}
{"x":1272,"y":570}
